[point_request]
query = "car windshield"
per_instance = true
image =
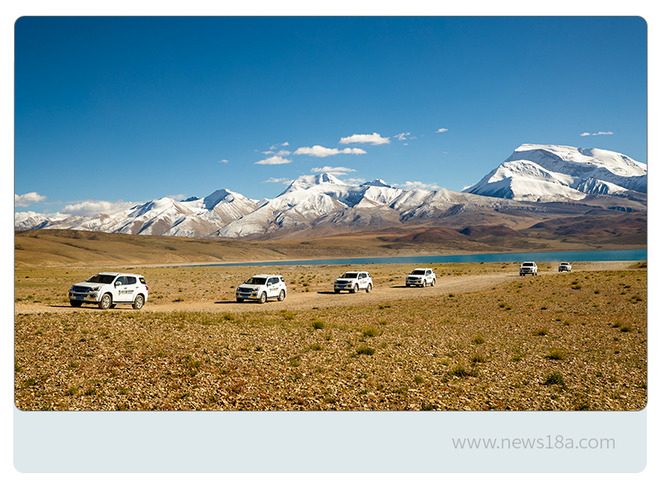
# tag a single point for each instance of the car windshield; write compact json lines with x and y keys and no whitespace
{"x":564,"y":264}
{"x":101,"y":278}
{"x":349,"y":275}
{"x":417,"y":272}
{"x":528,"y":264}
{"x":256,"y":281}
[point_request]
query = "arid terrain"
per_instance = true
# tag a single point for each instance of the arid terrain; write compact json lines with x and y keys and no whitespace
{"x":75,"y":249}
{"x":483,"y":338}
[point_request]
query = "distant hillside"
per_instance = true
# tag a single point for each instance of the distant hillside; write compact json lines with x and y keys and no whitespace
{"x":69,"y":248}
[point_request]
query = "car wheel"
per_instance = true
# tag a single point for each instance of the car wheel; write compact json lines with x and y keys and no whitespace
{"x":75,"y":303}
{"x":337,"y":291}
{"x":263,"y":298}
{"x":355,"y":289}
{"x":433,"y":282}
{"x":281,"y":296}
{"x":106,"y":301}
{"x":423,"y":283}
{"x":139,"y":302}
{"x":408,"y":285}
{"x":239,"y":300}
{"x":369,"y":287}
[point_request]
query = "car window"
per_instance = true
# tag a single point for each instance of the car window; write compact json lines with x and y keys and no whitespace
{"x":130,"y":280}
{"x":256,"y":281}
{"x":121,"y":280}
{"x":101,"y":278}
{"x":349,"y":275}
{"x":362,"y":276}
{"x":142,"y":280}
{"x":417,"y":272}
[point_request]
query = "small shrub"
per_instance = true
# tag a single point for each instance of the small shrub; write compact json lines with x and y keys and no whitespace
{"x":478,"y":339}
{"x":625,"y":328}
{"x":366,"y":350}
{"x":556,"y":354}
{"x":554,"y":379}
{"x":318,"y":324}
{"x":286,"y":315}
{"x":461,"y":371}
{"x":371,"y":332}
{"x":541,"y":332}
{"x":478,"y":358}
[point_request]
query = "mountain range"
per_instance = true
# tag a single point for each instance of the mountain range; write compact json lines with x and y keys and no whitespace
{"x":536,"y":183}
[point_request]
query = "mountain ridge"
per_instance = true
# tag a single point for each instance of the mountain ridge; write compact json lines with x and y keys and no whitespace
{"x":534,"y":182}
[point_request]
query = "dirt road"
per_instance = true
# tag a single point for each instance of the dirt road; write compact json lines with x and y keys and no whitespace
{"x":304,"y":300}
{"x":300,"y":300}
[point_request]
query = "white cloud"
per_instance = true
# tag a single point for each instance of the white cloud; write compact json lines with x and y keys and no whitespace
{"x":601,"y":133}
{"x":417,"y":185}
{"x":223,"y":161}
{"x":335,"y":170}
{"x":403,"y":136}
{"x":28,"y":199}
{"x":92,"y":208}
{"x":374,"y":139}
{"x":180,"y":196}
{"x":285,"y":181}
{"x":273,"y":160}
{"x":281,"y":152}
{"x":323,"y":152}
{"x":440,"y":131}
{"x":275,"y":146}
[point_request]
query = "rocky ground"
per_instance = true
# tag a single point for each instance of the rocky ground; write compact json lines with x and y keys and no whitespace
{"x":483,"y":339}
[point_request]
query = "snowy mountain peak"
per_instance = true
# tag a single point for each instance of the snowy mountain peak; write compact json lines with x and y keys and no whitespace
{"x":376,"y":182}
{"x":306,"y":182}
{"x":216,"y":197}
{"x":537,"y":172}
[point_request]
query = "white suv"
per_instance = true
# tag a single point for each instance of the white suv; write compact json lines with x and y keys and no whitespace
{"x":109,"y":289}
{"x":261,"y":288}
{"x":421,"y":277}
{"x":354,"y":281}
{"x":529,"y":267}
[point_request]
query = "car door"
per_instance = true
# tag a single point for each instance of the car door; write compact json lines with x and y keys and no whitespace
{"x":271,"y":287}
{"x":125,"y":288}
{"x":362,"y":280}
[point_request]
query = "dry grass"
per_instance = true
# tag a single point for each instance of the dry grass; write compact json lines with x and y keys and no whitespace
{"x":458,"y":352}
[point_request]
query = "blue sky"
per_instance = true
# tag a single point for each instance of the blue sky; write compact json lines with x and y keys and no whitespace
{"x":131,"y":109}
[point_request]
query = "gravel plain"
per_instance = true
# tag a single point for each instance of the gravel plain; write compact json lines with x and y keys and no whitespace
{"x":482,"y":339}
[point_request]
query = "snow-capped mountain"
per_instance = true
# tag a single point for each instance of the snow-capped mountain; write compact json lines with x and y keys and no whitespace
{"x":554,"y":173}
{"x":195,"y":217}
{"x":324,"y":204}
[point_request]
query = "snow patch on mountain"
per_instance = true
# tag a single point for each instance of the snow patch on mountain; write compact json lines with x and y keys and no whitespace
{"x":554,"y":173}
